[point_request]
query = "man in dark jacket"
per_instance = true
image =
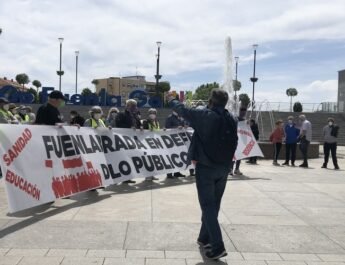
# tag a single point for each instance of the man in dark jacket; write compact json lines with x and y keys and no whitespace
{"x":129,"y":119}
{"x":212,"y":149}
{"x":76,"y":119}
{"x":49,"y":114}
{"x":173,"y":122}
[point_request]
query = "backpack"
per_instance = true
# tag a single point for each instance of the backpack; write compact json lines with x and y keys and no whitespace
{"x":223,"y":143}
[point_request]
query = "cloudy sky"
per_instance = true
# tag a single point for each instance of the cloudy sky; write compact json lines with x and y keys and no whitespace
{"x":301,"y":43}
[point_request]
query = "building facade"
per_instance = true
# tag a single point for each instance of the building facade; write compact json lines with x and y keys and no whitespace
{"x":118,"y":86}
{"x":341,"y":91}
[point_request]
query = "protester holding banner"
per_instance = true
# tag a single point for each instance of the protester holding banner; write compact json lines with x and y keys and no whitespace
{"x":49,"y":114}
{"x":111,"y":118}
{"x":5,"y":115}
{"x":95,"y":120}
{"x":151,"y":124}
{"x":213,"y":146}
{"x":276,"y":138}
{"x":174,"y":121}
{"x":130,"y":118}
{"x":22,"y":115}
{"x":32,"y":116}
{"x":76,"y":119}
{"x":255,"y":130}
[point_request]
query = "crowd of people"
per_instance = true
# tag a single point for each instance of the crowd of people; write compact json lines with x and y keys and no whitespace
{"x":211,"y":150}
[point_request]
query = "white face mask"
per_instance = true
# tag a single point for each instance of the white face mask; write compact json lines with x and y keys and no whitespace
{"x":175,"y":113}
{"x":23,"y":112}
{"x":72,"y":116}
{"x":97,"y":116}
{"x":152,"y":116}
{"x":113,"y":114}
{"x":6,"y":107}
{"x":290,"y":121}
{"x":330,"y":123}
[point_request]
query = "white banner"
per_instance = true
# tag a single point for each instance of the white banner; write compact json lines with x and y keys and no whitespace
{"x":43,"y":163}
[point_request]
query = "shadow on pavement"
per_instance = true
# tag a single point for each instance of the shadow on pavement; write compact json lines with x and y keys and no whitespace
{"x":244,"y":177}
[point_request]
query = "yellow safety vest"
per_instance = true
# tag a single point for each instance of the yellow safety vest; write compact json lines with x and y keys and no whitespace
{"x":26,"y":118}
{"x":6,"y":114}
{"x":94,"y":123}
{"x":153,"y":126}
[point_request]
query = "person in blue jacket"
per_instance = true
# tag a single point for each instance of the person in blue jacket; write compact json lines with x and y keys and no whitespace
{"x":291,"y":138}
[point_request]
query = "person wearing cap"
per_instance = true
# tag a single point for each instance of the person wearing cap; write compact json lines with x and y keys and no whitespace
{"x":95,"y":120}
{"x":5,"y":115}
{"x":151,"y":124}
{"x":49,"y":114}
{"x":76,"y":119}
{"x":22,"y":115}
{"x":291,"y":137}
{"x":111,"y":118}
{"x":14,"y":111}
{"x":330,"y":136}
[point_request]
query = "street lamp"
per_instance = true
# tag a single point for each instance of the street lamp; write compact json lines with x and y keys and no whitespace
{"x":158,"y":76}
{"x":76,"y":71}
{"x":60,"y":72}
{"x":254,"y":79}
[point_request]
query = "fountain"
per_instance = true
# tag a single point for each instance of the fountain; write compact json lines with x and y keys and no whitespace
{"x":233,"y":103}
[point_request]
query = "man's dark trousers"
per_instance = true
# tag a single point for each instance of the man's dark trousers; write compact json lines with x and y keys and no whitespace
{"x":303,"y":146}
{"x":210,"y":183}
{"x":290,"y":153}
{"x":330,"y":148}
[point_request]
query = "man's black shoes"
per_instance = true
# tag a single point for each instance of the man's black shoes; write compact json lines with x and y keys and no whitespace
{"x":215,"y":254}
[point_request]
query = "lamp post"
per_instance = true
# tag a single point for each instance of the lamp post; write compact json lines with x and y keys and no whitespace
{"x":60,"y":72}
{"x":158,"y":76}
{"x":76,"y":71}
{"x":254,"y":79}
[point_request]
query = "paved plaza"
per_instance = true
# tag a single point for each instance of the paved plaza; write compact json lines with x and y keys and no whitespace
{"x":270,"y":216}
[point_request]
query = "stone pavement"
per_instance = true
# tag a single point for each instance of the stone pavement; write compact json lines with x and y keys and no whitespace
{"x":270,"y":216}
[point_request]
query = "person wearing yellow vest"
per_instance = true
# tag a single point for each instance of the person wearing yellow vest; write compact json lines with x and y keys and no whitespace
{"x":151,"y":124}
{"x":95,"y":120}
{"x":22,"y":115}
{"x":5,"y":115}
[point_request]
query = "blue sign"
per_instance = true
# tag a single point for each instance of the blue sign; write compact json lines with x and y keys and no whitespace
{"x":102,"y":99}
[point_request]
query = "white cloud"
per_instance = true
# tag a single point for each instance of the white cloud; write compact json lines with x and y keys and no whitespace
{"x":118,"y":37}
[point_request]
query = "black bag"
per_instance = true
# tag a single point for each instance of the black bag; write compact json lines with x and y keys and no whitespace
{"x":223,"y":143}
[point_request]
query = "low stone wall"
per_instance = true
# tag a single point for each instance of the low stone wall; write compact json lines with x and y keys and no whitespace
{"x":267,"y":150}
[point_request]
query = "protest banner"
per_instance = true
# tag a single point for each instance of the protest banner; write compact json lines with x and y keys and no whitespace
{"x":43,"y":163}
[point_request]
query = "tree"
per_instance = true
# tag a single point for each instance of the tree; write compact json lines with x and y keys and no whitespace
{"x":34,"y":93}
{"x":22,"y":79}
{"x":291,"y":92}
{"x":37,"y":84}
{"x":297,"y":107}
{"x":245,"y":100}
{"x":95,"y":82}
{"x":203,"y":92}
{"x":86,"y":92}
{"x":163,"y":87}
{"x":236,"y":85}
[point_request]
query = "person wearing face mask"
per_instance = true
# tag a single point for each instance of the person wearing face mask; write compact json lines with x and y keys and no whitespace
{"x":111,"y":118}
{"x":95,"y":120}
{"x":151,"y":124}
{"x":173,"y":122}
{"x":76,"y":119}
{"x":130,"y":118}
{"x":276,"y":138}
{"x":32,"y":116}
{"x":305,"y":137}
{"x":291,"y":134}
{"x":22,"y":115}
{"x":49,"y":114}
{"x":5,"y":115}
{"x":330,"y":136}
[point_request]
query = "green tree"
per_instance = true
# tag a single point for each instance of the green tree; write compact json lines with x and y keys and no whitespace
{"x":236,"y":85}
{"x":22,"y":79}
{"x":34,"y":93}
{"x":291,"y":92}
{"x":297,"y":107}
{"x":203,"y":92}
{"x":37,"y":84}
{"x":163,"y":87}
{"x":245,"y":100}
{"x":86,"y":91}
{"x":95,"y":82}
